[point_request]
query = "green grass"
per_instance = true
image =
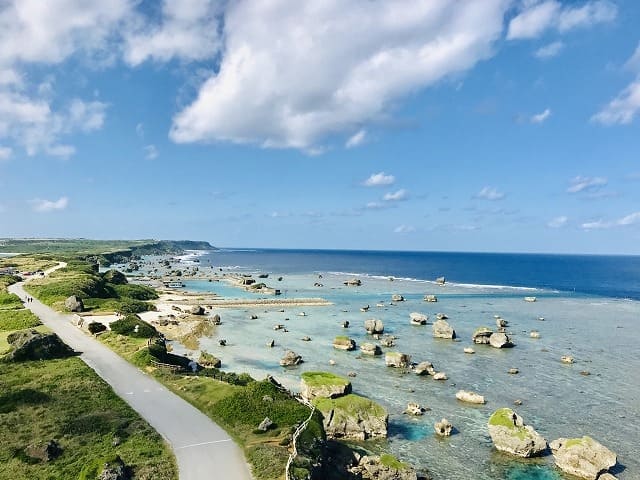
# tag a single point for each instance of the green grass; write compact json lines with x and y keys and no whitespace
{"x":17,"y":320}
{"x":4,"y":344}
{"x":64,"y":400}
{"x":318,"y":379}
{"x":503,"y":418}
{"x":351,"y":404}
{"x":572,"y":442}
{"x":390,"y":461}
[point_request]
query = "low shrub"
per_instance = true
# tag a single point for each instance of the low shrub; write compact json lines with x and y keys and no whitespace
{"x":133,"y":326}
{"x":96,"y":327}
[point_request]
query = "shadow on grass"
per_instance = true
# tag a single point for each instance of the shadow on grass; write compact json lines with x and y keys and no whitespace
{"x":27,"y":396}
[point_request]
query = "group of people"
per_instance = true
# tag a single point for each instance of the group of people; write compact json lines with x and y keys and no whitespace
{"x":29,"y":299}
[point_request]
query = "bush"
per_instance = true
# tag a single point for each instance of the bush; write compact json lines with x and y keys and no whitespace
{"x":134,"y":306}
{"x":136,"y":292}
{"x":96,"y":327}
{"x":115,"y":277}
{"x":133,"y":326}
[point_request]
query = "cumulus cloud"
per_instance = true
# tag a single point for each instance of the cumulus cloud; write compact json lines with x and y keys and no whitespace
{"x":188,"y":30}
{"x":558,"y":222}
{"x":150,"y":152}
{"x":622,"y":109}
{"x":40,"y":205}
{"x":580,"y":184}
{"x":539,"y":16}
{"x":404,"y":229}
{"x":396,"y":196}
{"x":294,"y":74}
{"x":550,"y":50}
{"x":489,"y":193}
{"x":541,"y":117}
{"x":379,"y":179}
{"x":356,"y":139}
{"x":631,"y":219}
{"x":5,"y":153}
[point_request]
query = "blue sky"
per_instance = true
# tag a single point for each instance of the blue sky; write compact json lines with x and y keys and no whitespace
{"x":489,"y":125}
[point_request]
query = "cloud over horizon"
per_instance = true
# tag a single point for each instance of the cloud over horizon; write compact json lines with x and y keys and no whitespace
{"x":43,"y":206}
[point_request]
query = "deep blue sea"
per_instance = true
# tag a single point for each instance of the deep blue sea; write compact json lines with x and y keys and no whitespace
{"x":608,"y":276}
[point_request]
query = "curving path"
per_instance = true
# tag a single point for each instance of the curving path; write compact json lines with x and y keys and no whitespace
{"x":203,"y":450}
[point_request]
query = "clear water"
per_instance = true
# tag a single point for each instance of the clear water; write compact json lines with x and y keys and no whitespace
{"x":600,"y":332}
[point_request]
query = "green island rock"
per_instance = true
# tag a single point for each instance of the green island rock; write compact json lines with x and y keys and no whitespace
{"x":509,"y":434}
{"x":323,"y":385}
{"x":352,"y":417}
{"x":582,"y":457}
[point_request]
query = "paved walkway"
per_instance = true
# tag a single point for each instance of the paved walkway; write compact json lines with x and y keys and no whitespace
{"x":203,"y":450}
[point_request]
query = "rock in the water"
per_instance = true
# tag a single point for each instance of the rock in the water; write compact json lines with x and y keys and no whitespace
{"x":370,"y":349}
{"x":414,"y":409}
{"x":33,"y":345}
{"x":513,"y":371}
{"x":418,"y":318}
{"x":216,"y":319}
{"x":344,"y":343}
{"x":271,"y":343}
{"x":45,"y":452}
{"x":481,"y":335}
{"x":323,"y":385}
{"x":583,"y":457}
{"x":397,"y":298}
{"x":397,"y":359}
{"x":387,"y":341}
{"x":500,"y":340}
{"x":253,"y":316}
{"x":345,"y":324}
{"x":509,"y":434}
{"x":501,"y":322}
{"x":384,"y":467}
{"x":469,"y":350}
{"x":352,"y":417}
{"x":373,"y":326}
{"x":306,"y":338}
{"x":443,"y":427}
{"x":209,"y":361}
{"x":424,"y":368}
{"x":442,"y":329}
{"x":567,"y":359}
{"x":74,"y":304}
{"x":534,"y":334}
{"x":470,"y":397}
{"x":430,"y":298}
{"x":265,"y":424}
{"x":197,"y":310}
{"x":440,"y":376}
{"x":291,"y":358}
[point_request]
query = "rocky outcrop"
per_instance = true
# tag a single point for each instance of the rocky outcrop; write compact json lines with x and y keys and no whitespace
{"x":534,"y":334}
{"x":370,"y":349}
{"x":384,"y":467}
{"x":33,"y":345}
{"x":354,"y":282}
{"x":500,"y":340}
{"x":373,"y":326}
{"x":469,"y":350}
{"x":481,"y":335}
{"x":418,"y":318}
{"x":352,"y":417}
{"x":209,"y":361}
{"x":197,"y":310}
{"x":265,"y":424}
{"x":567,"y":359}
{"x":414,"y":408}
{"x":442,"y":329}
{"x":443,"y":428}
{"x":74,"y":304}
{"x":470,"y":397}
{"x":388,"y":341}
{"x":501,"y":322}
{"x":323,"y":385}
{"x":396,"y":297}
{"x":44,"y":452}
{"x":509,"y":434}
{"x":440,"y":376}
{"x":115,"y":469}
{"x":583,"y":457}
{"x":424,"y":368}
{"x":397,"y":359}
{"x":290,"y":359}
{"x":344,"y":343}
{"x":430,"y":298}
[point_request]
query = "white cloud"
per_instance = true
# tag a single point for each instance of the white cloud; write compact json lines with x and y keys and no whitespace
{"x":140,"y":130}
{"x":396,"y":196}
{"x":541,"y":117}
{"x":633,"y":63}
{"x":596,"y":225}
{"x":404,"y":229}
{"x":150,"y":152}
{"x":550,"y":50}
{"x":379,"y":179}
{"x":5,"y":153}
{"x":293,"y":74}
{"x":631,"y":219}
{"x":579,"y":184}
{"x":356,"y":139}
{"x":489,"y":193}
{"x":622,"y":109}
{"x":40,"y":205}
{"x":377,"y":206}
{"x":189,"y":30}
{"x":538,"y":17}
{"x":558,"y":222}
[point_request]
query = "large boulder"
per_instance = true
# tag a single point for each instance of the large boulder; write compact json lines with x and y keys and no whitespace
{"x":323,"y":385}
{"x":342,"y":342}
{"x":74,"y":304}
{"x":197,"y":310}
{"x":396,"y":297}
{"x":509,"y":434}
{"x":470,"y":397}
{"x":424,"y":368}
{"x":352,"y":417}
{"x":443,"y":428}
{"x":115,"y":470}
{"x":45,"y":452}
{"x":383,"y":467}
{"x":397,"y":359}
{"x":34,"y":345}
{"x":418,"y":318}
{"x":500,"y":340}
{"x":373,"y":326}
{"x":290,"y":359}
{"x":370,"y":349}
{"x":583,"y":457}
{"x":481,"y":335}
{"x":442,"y":329}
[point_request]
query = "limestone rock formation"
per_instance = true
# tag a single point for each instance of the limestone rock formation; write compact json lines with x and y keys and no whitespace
{"x":397,"y":359}
{"x":424,"y":368}
{"x":74,"y":304}
{"x":265,"y":424}
{"x":469,"y":350}
{"x":323,"y":385}
{"x":342,"y":342}
{"x":440,"y":376}
{"x":500,"y":340}
{"x":373,"y":326}
{"x":209,"y":361}
{"x":396,"y":297}
{"x":583,"y":457}
{"x":370,"y":349}
{"x":291,"y":358}
{"x":115,"y":469}
{"x":481,"y":335}
{"x":430,"y":298}
{"x":33,"y":345}
{"x":352,"y":417}
{"x":442,"y":329}
{"x":443,"y":428}
{"x":418,"y":318}
{"x":470,"y":397}
{"x":384,"y":467}
{"x":197,"y":310}
{"x":509,"y":434}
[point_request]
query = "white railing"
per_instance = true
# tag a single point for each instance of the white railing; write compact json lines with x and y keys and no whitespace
{"x":296,"y":434}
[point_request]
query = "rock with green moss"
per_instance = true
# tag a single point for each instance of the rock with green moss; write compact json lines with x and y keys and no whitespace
{"x":323,"y":385}
{"x":582,"y":457}
{"x":509,"y":434}
{"x":209,"y":361}
{"x":34,"y":345}
{"x":342,"y":342}
{"x":352,"y":417}
{"x":383,"y":467}
{"x":397,"y":359}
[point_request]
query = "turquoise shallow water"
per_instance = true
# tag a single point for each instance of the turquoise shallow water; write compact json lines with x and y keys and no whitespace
{"x":602,"y":334}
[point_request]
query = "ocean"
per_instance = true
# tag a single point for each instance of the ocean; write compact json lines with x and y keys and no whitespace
{"x":586,"y":307}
